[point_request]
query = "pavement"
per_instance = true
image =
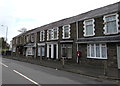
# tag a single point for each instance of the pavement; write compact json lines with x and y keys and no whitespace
{"x":87,"y":70}
{"x":23,"y":73}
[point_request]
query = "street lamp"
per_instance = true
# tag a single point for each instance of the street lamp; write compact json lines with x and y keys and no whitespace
{"x":6,"y":37}
{"x":6,"y":31}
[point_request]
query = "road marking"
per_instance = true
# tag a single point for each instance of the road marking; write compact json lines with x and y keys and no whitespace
{"x":26,"y":77}
{"x":3,"y":64}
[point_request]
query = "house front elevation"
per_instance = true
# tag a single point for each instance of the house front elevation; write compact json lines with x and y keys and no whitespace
{"x":96,"y":34}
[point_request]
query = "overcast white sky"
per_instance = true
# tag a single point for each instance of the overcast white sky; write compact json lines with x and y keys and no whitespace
{"x":16,"y":14}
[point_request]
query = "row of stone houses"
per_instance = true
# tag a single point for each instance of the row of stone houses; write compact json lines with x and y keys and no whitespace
{"x":96,"y":34}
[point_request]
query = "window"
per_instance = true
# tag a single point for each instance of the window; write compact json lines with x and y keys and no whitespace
{"x":24,"y":39}
{"x":66,"y":31}
{"x":97,"y":51}
{"x":29,"y":51}
{"x":49,"y":34}
{"x":42,"y":35}
{"x":41,"y":51}
{"x":32,"y":38}
{"x":111,"y":24}
{"x":14,"y":49}
{"x":16,"y":40}
{"x":52,"y":34}
{"x":89,"y":27}
{"x":66,"y":50}
{"x":27,"y":38}
{"x":55,"y":33}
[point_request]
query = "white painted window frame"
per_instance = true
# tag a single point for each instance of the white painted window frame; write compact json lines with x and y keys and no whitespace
{"x":14,"y":49}
{"x":63,"y":32}
{"x":89,"y":45}
{"x":32,"y":38}
{"x":27,"y":38}
{"x":52,"y":50}
{"x":117,"y":25}
{"x":42,"y":33}
{"x":93,"y":25}
{"x":57,"y":33}
{"x":48,"y":38}
{"x":29,"y":51}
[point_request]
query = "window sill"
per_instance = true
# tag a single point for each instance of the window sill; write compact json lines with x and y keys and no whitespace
{"x":111,"y":33}
{"x":96,"y":58}
{"x":66,"y":38}
{"x":89,"y":35}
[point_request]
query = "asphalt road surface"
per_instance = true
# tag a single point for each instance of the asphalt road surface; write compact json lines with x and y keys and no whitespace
{"x":16,"y":72}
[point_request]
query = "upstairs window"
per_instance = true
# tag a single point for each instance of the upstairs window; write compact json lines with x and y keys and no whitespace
{"x":66,"y":32}
{"x":52,"y":34}
{"x":27,"y":38}
{"x":32,"y":38}
{"x":111,"y":24}
{"x":89,"y":27}
{"x":42,"y":35}
{"x":16,"y":40}
{"x":55,"y":33}
{"x":49,"y":34}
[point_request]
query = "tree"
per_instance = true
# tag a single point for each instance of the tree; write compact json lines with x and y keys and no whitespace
{"x":22,"y":30}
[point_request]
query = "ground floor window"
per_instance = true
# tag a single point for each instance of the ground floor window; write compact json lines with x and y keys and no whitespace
{"x":97,"y":51}
{"x":41,"y":51}
{"x":14,"y":49}
{"x":29,"y":51}
{"x":66,"y":50}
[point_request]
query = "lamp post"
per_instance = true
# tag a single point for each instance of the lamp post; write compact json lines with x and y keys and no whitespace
{"x":6,"y":31}
{"x":5,"y":36}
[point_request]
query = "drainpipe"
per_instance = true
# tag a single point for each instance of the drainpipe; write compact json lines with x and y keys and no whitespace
{"x":105,"y":67}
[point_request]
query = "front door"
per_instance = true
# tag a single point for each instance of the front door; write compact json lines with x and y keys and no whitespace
{"x":49,"y":51}
{"x":54,"y":51}
{"x":118,"y":56}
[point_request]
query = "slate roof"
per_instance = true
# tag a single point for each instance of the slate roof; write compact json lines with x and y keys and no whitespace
{"x":90,"y":14}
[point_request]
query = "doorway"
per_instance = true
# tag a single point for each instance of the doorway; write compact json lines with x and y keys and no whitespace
{"x":54,"y":53}
{"x":50,"y":51}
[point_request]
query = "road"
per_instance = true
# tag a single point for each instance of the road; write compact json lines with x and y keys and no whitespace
{"x":16,"y":72}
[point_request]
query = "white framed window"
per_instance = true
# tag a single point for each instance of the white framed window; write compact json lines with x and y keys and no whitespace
{"x":66,"y":51}
{"x":49,"y":34}
{"x":42,"y":35}
{"x":16,"y":40}
{"x":41,"y":51}
{"x":14,"y":49}
{"x":111,"y":24}
{"x":27,"y":38}
{"x":98,"y":51}
{"x":89,"y":27}
{"x":24,"y":39}
{"x":29,"y":51}
{"x":32,"y":38}
{"x":52,"y":34}
{"x":55,"y":33}
{"x":66,"y":32}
